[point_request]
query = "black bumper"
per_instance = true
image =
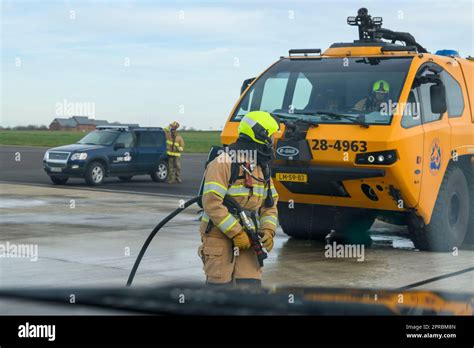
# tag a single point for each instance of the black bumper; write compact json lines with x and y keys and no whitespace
{"x":66,"y":170}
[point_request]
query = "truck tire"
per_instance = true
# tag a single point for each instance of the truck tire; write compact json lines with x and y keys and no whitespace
{"x":470,"y":227}
{"x":160,"y":173}
{"x":125,"y":178}
{"x":315,"y":222}
{"x":450,"y":215}
{"x":57,"y":180}
{"x":95,"y":174}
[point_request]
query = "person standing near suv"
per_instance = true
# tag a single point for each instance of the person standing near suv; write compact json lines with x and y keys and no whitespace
{"x":174,"y":147}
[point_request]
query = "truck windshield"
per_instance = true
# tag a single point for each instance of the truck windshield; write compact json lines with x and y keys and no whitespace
{"x":99,"y":138}
{"x":305,"y":88}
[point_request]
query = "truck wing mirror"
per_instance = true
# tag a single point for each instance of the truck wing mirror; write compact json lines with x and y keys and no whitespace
{"x":245,"y":84}
{"x":438,"y":99}
{"x":119,"y":146}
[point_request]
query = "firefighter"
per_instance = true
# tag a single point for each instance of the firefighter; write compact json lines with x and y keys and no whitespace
{"x":241,"y":172}
{"x":174,"y":148}
{"x":378,"y":96}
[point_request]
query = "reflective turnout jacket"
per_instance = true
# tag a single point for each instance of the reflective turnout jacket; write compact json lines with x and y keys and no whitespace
{"x":174,"y":144}
{"x":216,"y":186}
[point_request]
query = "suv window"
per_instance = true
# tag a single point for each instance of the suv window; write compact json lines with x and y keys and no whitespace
{"x":99,"y":137}
{"x":454,"y":97}
{"x":424,"y":90}
{"x":150,"y":139}
{"x":125,"y":138}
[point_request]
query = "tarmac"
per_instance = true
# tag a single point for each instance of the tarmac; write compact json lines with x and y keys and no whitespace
{"x":87,"y":238}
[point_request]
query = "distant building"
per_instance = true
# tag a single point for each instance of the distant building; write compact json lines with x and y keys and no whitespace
{"x":82,"y":123}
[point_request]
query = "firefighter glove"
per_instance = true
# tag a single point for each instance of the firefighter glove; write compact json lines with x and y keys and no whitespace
{"x":241,"y":240}
{"x":267,"y":239}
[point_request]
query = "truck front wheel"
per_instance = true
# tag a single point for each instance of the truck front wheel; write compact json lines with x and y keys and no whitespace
{"x":470,"y":227}
{"x":450,"y":215}
{"x":310,"y":221}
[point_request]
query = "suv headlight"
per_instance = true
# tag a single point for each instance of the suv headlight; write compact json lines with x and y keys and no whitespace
{"x":79,"y":156}
{"x":379,"y":158}
{"x":46,"y":156}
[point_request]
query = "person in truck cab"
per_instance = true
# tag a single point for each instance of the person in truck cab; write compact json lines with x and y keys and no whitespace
{"x":377,"y":97}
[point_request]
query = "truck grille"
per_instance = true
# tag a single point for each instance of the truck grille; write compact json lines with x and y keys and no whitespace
{"x":59,"y":156}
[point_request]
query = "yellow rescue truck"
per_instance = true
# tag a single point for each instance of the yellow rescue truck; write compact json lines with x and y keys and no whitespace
{"x":377,"y":127}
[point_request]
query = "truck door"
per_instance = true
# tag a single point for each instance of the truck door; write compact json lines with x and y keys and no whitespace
{"x":123,"y":155}
{"x":150,"y":150}
{"x":437,"y":145}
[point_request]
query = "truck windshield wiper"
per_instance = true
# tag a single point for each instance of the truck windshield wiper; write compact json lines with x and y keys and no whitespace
{"x":284,"y":118}
{"x":360,"y":119}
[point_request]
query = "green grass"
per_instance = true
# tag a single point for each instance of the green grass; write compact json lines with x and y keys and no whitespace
{"x":194,"y":141}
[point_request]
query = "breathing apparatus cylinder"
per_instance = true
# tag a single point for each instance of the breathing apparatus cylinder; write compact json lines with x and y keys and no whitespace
{"x":213,"y":153}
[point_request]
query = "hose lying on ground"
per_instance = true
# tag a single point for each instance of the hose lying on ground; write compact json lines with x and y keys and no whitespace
{"x":230,"y":203}
{"x":154,"y":232}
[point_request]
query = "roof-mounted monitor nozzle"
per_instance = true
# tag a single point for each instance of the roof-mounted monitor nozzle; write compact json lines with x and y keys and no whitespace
{"x":366,"y":23}
{"x":370,"y":29}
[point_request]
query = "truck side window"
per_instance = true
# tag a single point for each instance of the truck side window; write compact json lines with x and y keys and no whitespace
{"x":454,"y":97}
{"x":411,"y":113}
{"x":159,"y":138}
{"x":147,"y":139}
{"x":125,"y":138}
{"x":245,"y":105}
{"x":427,"y":115}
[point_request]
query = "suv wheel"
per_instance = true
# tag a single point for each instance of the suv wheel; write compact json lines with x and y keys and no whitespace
{"x":450,"y":215}
{"x":160,"y":173}
{"x":125,"y":178}
{"x":95,"y":174}
{"x":57,"y":180}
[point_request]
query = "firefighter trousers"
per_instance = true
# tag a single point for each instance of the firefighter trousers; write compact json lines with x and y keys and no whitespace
{"x":222,"y":263}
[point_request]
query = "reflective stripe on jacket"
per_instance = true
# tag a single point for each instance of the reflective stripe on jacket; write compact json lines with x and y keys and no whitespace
{"x":174,"y":145}
{"x":216,"y":187}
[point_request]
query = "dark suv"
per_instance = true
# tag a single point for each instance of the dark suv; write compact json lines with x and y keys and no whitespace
{"x":110,"y":151}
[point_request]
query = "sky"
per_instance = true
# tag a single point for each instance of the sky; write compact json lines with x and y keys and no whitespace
{"x":152,"y":62}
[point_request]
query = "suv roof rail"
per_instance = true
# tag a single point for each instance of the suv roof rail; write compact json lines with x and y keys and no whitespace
{"x":124,"y":128}
{"x":113,"y":127}
{"x":304,"y":51}
{"x":147,"y":128}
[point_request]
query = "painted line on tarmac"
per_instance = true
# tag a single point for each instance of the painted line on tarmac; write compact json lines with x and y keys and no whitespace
{"x":431,"y":280}
{"x":97,"y":189}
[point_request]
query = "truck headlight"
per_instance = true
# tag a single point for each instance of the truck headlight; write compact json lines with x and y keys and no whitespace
{"x":46,"y":156}
{"x":379,"y":158}
{"x":79,"y":156}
